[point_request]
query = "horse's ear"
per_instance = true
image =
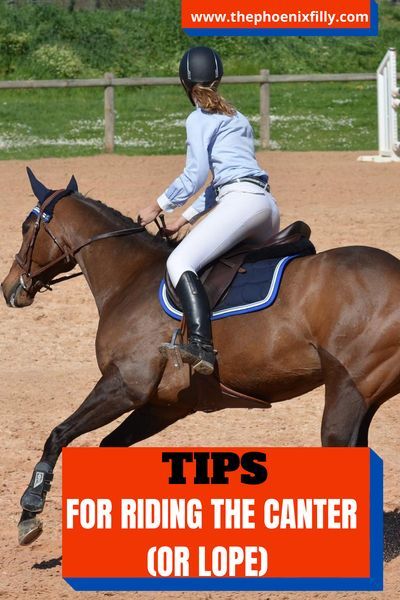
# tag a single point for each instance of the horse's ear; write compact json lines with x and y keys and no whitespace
{"x":41,"y":191}
{"x":73,"y":185}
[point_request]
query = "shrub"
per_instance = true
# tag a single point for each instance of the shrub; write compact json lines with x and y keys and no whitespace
{"x":14,"y":44}
{"x":57,"y":61}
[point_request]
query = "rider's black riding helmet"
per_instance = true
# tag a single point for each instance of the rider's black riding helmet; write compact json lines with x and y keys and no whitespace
{"x":199,"y":65}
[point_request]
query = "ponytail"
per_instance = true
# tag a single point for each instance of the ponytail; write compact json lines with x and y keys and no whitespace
{"x":210,"y":100}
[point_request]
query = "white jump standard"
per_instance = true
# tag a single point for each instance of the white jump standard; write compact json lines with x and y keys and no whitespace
{"x":388,"y":104}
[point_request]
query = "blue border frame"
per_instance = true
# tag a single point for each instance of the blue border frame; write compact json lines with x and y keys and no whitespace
{"x":211,"y":584}
{"x":321,"y":31}
{"x":376,"y":520}
{"x":244,"y":584}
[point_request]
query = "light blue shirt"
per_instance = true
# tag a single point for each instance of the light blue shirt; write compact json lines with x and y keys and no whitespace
{"x":216,"y":142}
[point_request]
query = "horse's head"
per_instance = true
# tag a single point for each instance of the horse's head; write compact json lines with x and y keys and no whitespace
{"x":42,"y":255}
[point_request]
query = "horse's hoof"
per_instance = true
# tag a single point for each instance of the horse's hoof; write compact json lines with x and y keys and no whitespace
{"x":29,"y":531}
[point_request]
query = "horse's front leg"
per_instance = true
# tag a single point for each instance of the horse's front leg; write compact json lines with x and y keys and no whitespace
{"x":108,"y":400}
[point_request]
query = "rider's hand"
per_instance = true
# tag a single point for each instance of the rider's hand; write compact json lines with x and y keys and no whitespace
{"x":175,"y":226}
{"x":148,"y":214}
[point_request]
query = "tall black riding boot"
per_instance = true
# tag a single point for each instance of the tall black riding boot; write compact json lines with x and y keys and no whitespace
{"x":199,"y":350}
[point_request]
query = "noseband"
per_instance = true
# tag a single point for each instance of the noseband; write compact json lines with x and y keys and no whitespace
{"x":67,"y":254}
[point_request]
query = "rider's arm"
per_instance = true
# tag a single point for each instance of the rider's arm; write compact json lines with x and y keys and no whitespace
{"x":202,"y":205}
{"x":197,"y":165}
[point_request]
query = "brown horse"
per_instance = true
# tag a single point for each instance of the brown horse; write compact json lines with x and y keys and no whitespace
{"x":336,"y":322}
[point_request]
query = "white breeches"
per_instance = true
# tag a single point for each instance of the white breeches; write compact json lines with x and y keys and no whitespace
{"x":244,"y":211}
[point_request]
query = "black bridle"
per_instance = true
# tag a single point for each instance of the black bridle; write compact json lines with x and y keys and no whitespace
{"x":67,"y":254}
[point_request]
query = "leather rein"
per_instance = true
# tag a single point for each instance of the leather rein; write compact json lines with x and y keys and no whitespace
{"x":67,"y":254}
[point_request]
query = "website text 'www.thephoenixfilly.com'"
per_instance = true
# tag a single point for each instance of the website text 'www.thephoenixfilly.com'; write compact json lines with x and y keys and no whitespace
{"x":236,"y":18}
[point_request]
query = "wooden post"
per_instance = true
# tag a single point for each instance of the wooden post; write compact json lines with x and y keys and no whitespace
{"x":109,"y":115}
{"x":264,"y":110}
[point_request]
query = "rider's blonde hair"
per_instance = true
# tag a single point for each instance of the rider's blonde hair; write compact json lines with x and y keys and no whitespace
{"x":210,"y":100}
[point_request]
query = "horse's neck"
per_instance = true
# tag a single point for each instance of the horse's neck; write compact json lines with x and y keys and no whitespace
{"x":109,"y":265}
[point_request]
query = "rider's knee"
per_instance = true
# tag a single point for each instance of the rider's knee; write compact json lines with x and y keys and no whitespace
{"x":175,"y":267}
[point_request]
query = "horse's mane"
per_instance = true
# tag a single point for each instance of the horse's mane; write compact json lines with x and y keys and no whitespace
{"x":125,"y":222}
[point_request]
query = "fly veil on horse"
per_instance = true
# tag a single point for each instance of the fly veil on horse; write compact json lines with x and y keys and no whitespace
{"x":336,"y":322}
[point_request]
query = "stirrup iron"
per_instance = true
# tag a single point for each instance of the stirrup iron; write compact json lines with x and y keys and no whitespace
{"x":171,"y":350}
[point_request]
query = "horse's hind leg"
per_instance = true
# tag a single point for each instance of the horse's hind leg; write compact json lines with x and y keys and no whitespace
{"x":109,"y":399}
{"x":345,"y":407}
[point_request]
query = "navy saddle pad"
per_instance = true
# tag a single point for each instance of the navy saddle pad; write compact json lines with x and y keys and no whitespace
{"x":254,"y":289}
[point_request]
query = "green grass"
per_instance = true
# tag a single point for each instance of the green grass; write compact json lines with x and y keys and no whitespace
{"x":69,"y":122}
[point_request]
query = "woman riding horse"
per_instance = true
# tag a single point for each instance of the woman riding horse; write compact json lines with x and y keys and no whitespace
{"x":220,"y":139}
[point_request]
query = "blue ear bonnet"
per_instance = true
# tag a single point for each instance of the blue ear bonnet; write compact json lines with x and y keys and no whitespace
{"x":42,"y":192}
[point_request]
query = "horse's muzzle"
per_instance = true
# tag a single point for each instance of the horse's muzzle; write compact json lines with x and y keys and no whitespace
{"x":16,"y":296}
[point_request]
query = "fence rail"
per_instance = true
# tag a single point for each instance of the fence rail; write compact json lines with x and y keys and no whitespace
{"x":109,"y":82}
